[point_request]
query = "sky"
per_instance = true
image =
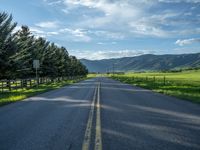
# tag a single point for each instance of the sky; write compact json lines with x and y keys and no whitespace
{"x":102,"y":29}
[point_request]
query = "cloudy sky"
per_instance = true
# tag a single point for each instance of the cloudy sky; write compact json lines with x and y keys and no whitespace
{"x":97,"y":29}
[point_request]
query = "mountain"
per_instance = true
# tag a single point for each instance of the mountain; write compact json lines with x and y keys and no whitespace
{"x":144,"y":63}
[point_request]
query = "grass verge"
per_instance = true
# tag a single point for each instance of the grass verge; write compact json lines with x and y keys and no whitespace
{"x":184,"y":85}
{"x":20,"y":94}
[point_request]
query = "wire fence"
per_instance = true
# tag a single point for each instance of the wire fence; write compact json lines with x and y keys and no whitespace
{"x":162,"y":80}
{"x":158,"y":80}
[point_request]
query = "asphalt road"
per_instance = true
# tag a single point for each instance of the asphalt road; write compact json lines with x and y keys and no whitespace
{"x":71,"y":118}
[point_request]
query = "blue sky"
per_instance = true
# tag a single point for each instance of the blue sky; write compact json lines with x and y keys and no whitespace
{"x":97,"y":29}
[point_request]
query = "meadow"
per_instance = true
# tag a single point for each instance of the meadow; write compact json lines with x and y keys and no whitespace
{"x":184,"y":85}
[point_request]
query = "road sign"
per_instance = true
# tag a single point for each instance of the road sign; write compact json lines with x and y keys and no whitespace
{"x":36,"y":63}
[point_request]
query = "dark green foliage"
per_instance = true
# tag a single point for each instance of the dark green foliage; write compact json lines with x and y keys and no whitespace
{"x":7,"y":45}
{"x":18,"y":50}
{"x":26,"y":52}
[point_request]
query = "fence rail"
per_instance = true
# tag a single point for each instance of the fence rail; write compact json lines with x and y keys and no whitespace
{"x":9,"y":85}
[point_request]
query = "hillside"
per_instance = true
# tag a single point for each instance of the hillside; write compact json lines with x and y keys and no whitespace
{"x":144,"y":62}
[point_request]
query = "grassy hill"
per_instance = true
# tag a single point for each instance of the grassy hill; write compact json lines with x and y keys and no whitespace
{"x":144,"y":63}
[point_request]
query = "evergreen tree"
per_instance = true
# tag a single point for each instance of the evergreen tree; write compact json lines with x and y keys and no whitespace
{"x":18,"y":50}
{"x":25,"y":52}
{"x":7,"y":45}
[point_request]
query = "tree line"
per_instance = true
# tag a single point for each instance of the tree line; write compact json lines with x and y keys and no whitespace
{"x":19,"y":49}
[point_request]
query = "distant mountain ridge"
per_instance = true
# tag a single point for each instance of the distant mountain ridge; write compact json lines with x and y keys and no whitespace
{"x":144,"y":63}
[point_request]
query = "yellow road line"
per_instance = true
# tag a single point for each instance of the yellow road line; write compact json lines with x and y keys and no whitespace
{"x":98,"y":139}
{"x":87,"y":137}
{"x":88,"y":132}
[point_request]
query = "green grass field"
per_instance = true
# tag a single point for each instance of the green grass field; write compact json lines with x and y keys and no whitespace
{"x":20,"y":94}
{"x":91,"y":75}
{"x":184,"y":85}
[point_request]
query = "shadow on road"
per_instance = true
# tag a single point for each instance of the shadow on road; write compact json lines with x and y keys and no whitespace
{"x":134,"y":118}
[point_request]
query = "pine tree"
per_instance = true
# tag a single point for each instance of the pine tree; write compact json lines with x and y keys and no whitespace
{"x":7,"y":45}
{"x":18,"y":50}
{"x":25,"y":54}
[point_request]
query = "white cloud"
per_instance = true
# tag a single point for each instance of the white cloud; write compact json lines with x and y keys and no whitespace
{"x":127,"y":18}
{"x":101,"y":43}
{"x":114,"y":20}
{"x":108,"y":34}
{"x":116,"y":14}
{"x":113,"y":43}
{"x":76,"y":34}
{"x":53,"y":33}
{"x":107,"y":43}
{"x":123,"y":17}
{"x":48,"y":24}
{"x":55,"y":2}
{"x":187,"y":41}
{"x":179,"y":1}
{"x":17,"y":28}
{"x":187,"y":31}
{"x":66,"y":11}
{"x":188,"y":14}
{"x":102,"y":54}
{"x":67,"y":34}
{"x":148,"y":30}
{"x":37,"y":32}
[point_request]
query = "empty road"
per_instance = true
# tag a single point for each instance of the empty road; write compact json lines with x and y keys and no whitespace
{"x":98,"y":114}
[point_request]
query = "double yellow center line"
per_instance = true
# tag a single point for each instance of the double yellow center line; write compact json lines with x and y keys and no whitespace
{"x":88,"y":131}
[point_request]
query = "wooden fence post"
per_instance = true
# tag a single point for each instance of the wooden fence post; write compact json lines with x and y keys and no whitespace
{"x":25,"y":83}
{"x":9,"y":85}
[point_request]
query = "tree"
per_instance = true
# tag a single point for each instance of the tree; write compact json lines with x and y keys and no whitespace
{"x":25,"y":53}
{"x":19,"y":49}
{"x":7,"y":45}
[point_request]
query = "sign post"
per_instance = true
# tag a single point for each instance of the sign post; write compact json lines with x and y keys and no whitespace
{"x":36,"y":65}
{"x":113,"y":68}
